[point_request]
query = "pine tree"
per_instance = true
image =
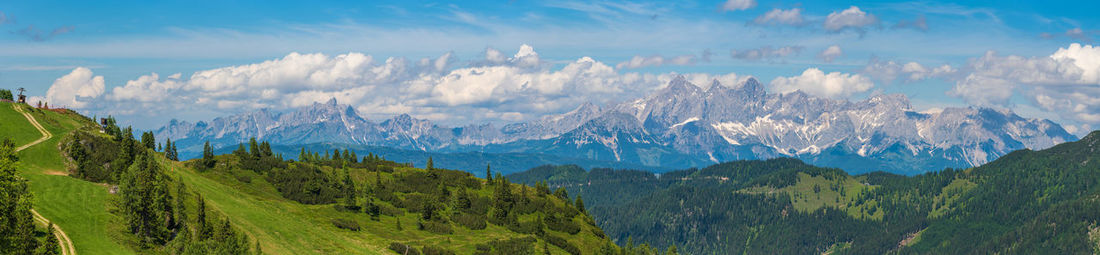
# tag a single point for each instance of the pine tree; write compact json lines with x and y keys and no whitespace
{"x":349,"y":190}
{"x":580,"y":204}
{"x":302,"y":156}
{"x":254,"y":148}
{"x":488,"y":174}
{"x":17,"y":228}
{"x":208,"y":155}
{"x":430,"y":165}
{"x":148,"y":141}
{"x":265,"y":149}
{"x":200,"y":218}
{"x":51,"y":245}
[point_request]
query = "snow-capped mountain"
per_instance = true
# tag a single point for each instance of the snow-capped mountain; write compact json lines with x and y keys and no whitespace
{"x":681,"y":125}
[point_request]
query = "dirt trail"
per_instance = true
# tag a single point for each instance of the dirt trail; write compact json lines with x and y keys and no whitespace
{"x":66,"y":244}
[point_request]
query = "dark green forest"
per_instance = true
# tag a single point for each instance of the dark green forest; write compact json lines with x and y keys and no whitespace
{"x":1026,"y":202}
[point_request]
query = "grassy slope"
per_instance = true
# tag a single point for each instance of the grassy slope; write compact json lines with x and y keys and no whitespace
{"x":286,"y":227}
{"x":281,"y":226}
{"x":78,"y":206}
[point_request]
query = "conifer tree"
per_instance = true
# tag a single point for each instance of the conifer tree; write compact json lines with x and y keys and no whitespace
{"x":17,"y":228}
{"x":253,"y":147}
{"x":50,"y":246}
{"x":148,"y":141}
{"x":349,"y":189}
{"x":430,"y":165}
{"x":208,"y":155}
{"x":488,"y":174}
{"x":265,"y":149}
{"x":580,"y":204}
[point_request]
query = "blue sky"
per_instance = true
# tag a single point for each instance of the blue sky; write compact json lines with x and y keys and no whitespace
{"x":432,"y":59}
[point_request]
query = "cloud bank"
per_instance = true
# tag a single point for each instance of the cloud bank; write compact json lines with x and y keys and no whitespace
{"x":498,"y":87}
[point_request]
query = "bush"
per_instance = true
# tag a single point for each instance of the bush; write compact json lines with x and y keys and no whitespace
{"x":435,"y":227}
{"x":389,"y":210}
{"x":529,"y":227}
{"x":348,"y":224}
{"x":435,"y":250}
{"x":470,"y":221}
{"x":562,"y":243}
{"x":524,"y":245}
{"x":562,"y":225}
{"x":401,"y":248}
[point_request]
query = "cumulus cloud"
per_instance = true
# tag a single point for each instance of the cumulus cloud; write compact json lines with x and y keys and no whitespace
{"x":738,"y":5}
{"x":852,"y":18}
{"x":830,"y":53}
{"x":889,"y":71}
{"x":779,"y":16}
{"x":765,"y":53}
{"x":1067,"y":82}
{"x":75,"y":90}
{"x":656,"y":60}
{"x":815,"y":82}
{"x":497,"y":88}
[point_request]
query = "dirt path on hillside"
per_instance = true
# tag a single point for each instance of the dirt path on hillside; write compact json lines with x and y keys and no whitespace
{"x":66,"y":244}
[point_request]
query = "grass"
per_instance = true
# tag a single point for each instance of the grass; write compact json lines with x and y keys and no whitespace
{"x":15,"y":126}
{"x":78,"y":207}
{"x":811,"y":193}
{"x":281,"y":226}
{"x":287,"y":227}
{"x":951,"y":193}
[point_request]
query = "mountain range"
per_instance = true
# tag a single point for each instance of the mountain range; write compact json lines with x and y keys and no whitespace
{"x":679,"y":126}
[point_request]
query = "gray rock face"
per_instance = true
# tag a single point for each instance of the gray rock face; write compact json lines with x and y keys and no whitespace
{"x":681,"y":125}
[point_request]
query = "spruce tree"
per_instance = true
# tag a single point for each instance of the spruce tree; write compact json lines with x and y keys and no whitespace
{"x":488,"y":174}
{"x":17,"y":228}
{"x":51,"y":245}
{"x":430,"y":165}
{"x":265,"y":149}
{"x":580,"y":204}
{"x":254,"y":148}
{"x":349,"y":190}
{"x":208,"y":155}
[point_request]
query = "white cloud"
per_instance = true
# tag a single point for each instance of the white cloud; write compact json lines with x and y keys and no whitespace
{"x":766,"y":52}
{"x":1067,"y":82}
{"x":852,"y":17}
{"x":889,"y":71}
{"x":830,"y":53}
{"x":779,"y":16}
{"x":738,"y":5}
{"x":494,"y":89}
{"x":76,"y":89}
{"x":656,"y":60}
{"x":815,"y":82}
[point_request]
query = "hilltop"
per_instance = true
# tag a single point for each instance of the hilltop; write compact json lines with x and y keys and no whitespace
{"x":133,"y":197}
{"x":1026,"y":202}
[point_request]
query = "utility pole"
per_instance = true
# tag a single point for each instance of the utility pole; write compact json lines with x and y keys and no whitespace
{"x":22,"y":98}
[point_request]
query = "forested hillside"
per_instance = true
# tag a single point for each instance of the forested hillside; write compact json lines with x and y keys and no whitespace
{"x":1027,"y":202}
{"x":252,"y":201}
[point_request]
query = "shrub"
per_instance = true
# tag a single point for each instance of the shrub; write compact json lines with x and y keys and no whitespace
{"x":562,"y":243}
{"x":435,"y":227}
{"x":470,"y":221}
{"x":562,"y":225}
{"x":401,"y":248}
{"x":524,"y":245}
{"x":435,"y":250}
{"x":348,"y":224}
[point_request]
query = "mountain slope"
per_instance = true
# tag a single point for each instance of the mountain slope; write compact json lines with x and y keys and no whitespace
{"x":681,"y":125}
{"x":248,"y":210}
{"x":1025,"y":202}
